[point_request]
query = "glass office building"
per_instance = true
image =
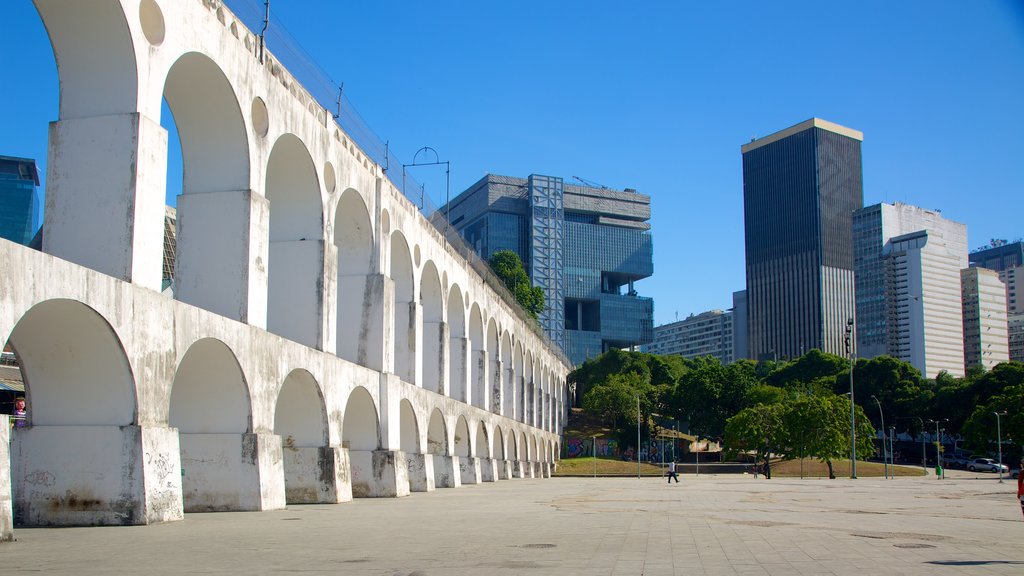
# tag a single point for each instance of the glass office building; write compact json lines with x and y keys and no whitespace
{"x":800,"y":188}
{"x":585,"y":246}
{"x":19,"y":203}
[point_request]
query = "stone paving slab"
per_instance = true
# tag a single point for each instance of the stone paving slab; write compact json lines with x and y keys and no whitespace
{"x":711,"y":525}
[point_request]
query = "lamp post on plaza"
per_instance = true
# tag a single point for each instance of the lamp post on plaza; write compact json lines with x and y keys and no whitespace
{"x":637,"y":436}
{"x":848,"y":340}
{"x":938,"y":446}
{"x":999,"y":443}
{"x":885,"y":462}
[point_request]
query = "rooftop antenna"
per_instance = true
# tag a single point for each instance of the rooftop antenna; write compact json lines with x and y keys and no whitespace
{"x":263,"y":33}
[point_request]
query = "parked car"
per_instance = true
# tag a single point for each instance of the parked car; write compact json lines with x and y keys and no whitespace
{"x":1014,"y":473}
{"x":952,"y":461}
{"x":985,"y":465}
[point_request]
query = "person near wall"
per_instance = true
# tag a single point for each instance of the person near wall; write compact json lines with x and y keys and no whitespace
{"x":18,"y":417}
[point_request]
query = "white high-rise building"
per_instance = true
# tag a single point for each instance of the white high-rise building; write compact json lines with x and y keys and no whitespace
{"x":907,"y":263}
{"x":706,"y":334}
{"x":986,"y":341}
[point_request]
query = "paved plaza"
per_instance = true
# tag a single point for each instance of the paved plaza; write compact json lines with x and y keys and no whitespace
{"x":707,"y":525}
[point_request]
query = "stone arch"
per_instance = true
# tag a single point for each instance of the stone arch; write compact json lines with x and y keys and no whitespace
{"x":508,"y":375}
{"x":477,"y":359}
{"x":511,"y":446}
{"x":494,"y":375}
{"x":296,"y":247}
{"x":210,"y":407}
{"x":434,"y":330}
{"x":75,"y":369}
{"x":462,"y":447}
{"x":524,"y":454}
{"x":353,"y":237}
{"x":211,"y":266}
{"x":360,"y":435}
{"x":300,"y":420}
{"x":403,"y":329}
{"x":458,"y":346}
{"x":437,"y":435}
{"x":529,"y":389}
{"x":81,"y":429}
{"x":95,"y":60}
{"x":409,"y":433}
{"x":482,"y":446}
{"x":498,"y":444}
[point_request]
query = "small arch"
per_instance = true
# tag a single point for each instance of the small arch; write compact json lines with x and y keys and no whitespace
{"x":410,"y":432}
{"x":300,"y":418}
{"x":462,"y":439}
{"x":360,"y":429}
{"x":437,"y":435}
{"x":75,"y":370}
{"x":209,"y":394}
{"x":483,"y":447}
{"x":498,"y":444}
{"x":511,"y":446}
{"x":524,"y":443}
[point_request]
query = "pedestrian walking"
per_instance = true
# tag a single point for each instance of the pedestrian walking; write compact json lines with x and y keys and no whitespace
{"x":672,"y":472}
{"x":1020,"y":485}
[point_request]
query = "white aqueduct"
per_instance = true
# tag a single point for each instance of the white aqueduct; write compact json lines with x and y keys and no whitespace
{"x":323,"y":340}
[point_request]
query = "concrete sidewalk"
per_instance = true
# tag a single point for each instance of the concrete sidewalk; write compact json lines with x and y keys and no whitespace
{"x":705,"y":525}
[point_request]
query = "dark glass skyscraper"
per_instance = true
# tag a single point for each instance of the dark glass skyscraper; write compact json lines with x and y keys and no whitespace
{"x":585,"y":246}
{"x":19,"y":205}
{"x":800,"y":188}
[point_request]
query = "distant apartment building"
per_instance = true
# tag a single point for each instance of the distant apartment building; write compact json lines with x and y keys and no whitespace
{"x":706,"y":334}
{"x":895,"y":303}
{"x":907,"y":262}
{"x":1008,"y":260}
{"x":800,"y":188}
{"x":19,"y":201}
{"x":585,"y":246}
{"x":986,"y":340}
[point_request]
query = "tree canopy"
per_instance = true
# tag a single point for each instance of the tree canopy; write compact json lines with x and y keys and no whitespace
{"x":509,"y":268}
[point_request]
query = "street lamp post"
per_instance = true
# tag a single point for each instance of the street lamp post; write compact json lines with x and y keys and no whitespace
{"x":999,"y":443}
{"x":853,"y":422}
{"x":938,"y":446}
{"x":892,"y":449}
{"x":637,"y":436}
{"x":885,"y":462}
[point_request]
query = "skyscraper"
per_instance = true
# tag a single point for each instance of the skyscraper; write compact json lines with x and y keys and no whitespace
{"x":1007,"y":258}
{"x":986,"y":340}
{"x":584,"y":245}
{"x":800,"y":188}
{"x":19,"y":205}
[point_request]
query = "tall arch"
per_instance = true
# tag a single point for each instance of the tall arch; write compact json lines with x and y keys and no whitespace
{"x":296,"y":251}
{"x":360,"y":434}
{"x":404,"y":329}
{"x":508,"y":375}
{"x":462,"y":447}
{"x":213,"y":263}
{"x":445,"y":473}
{"x":459,"y":348}
{"x":498,"y":444}
{"x":478,"y":359}
{"x":483,"y":447}
{"x":435,"y":337}
{"x":353,"y":237}
{"x":210,"y":407}
{"x":495,"y":370}
{"x":529,"y":390}
{"x":300,"y":419}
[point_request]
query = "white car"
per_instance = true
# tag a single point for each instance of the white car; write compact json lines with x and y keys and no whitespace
{"x":985,"y":465}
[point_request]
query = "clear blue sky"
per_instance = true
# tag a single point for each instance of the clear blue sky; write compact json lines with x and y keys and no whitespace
{"x":656,"y":96}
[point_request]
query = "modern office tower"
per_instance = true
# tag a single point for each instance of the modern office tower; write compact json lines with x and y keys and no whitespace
{"x":986,"y":342}
{"x":585,"y":246}
{"x":740,"y":348}
{"x":1000,"y":257}
{"x":800,"y":188}
{"x":706,"y":334}
{"x":873,"y":228}
{"x":19,"y":203}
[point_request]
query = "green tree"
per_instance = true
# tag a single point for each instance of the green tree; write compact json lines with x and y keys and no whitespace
{"x":509,"y":268}
{"x":980,"y":429}
{"x":818,"y":426}
{"x":614,"y":400}
{"x":709,"y":393}
{"x":758,"y":429}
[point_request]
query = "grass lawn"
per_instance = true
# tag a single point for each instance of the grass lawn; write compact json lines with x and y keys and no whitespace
{"x":788,"y":469}
{"x":817,"y":469}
